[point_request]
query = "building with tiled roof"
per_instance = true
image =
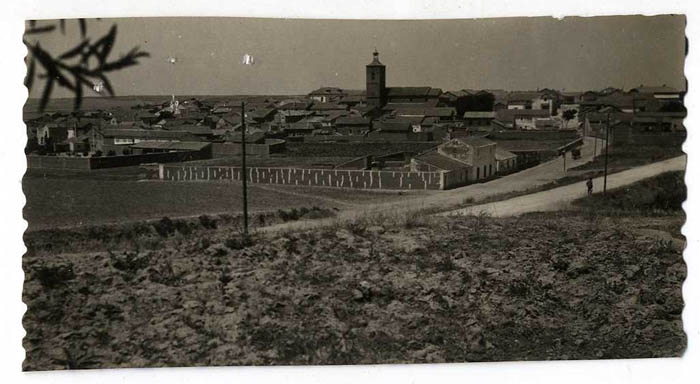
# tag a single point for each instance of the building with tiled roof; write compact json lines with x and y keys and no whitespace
{"x":327,"y":94}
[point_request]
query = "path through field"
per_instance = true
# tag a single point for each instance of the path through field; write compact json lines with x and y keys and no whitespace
{"x":554,"y":199}
{"x":543,"y":174}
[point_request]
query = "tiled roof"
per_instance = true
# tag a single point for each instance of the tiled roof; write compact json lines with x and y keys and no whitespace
{"x":395,"y":106}
{"x":143,"y":133}
{"x":176,"y":146}
{"x":352,"y":120}
{"x":502,"y":154}
{"x":479,"y":115}
{"x":261,"y":113}
{"x":428,"y":112}
{"x":196,"y":129}
{"x":255,"y":137}
{"x":435,"y":92}
{"x":522,"y":96}
{"x":441,"y":161}
{"x":408,"y":91}
{"x":531,"y":145}
{"x":508,"y":115}
{"x":327,"y":107}
{"x":327,"y":91}
{"x":293,"y":105}
{"x":476,"y":141}
{"x":352,"y":99}
{"x":393,"y":126}
{"x":654,"y":89}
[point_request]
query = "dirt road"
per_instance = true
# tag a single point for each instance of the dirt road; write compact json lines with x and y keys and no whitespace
{"x":557,"y":198}
{"x":529,"y":178}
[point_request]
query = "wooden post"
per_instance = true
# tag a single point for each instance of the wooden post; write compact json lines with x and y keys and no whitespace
{"x":564,"y":154}
{"x":607,"y":139}
{"x":244,"y":172}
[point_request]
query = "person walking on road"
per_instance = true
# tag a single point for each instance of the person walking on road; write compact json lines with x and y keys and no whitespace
{"x":589,"y":185}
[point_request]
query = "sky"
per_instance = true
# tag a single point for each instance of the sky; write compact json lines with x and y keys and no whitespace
{"x":294,"y":56}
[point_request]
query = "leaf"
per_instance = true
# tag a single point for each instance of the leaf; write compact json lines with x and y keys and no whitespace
{"x":126,"y":61}
{"x":49,"y":65}
{"x":29,"y":80}
{"x":108,"y":85}
{"x":75,"y":51}
{"x":106,"y":43}
{"x":83,"y":27}
{"x":46,"y":94}
{"x":36,"y":30}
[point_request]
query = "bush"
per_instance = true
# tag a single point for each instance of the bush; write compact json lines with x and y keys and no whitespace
{"x":290,"y":215}
{"x":111,"y":153}
{"x":53,"y":276}
{"x":239,"y":242}
{"x":165,"y":227}
{"x":182,"y":226}
{"x":207,"y":222}
{"x":129,"y":262}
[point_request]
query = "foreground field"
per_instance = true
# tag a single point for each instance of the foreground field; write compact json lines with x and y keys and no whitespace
{"x":74,"y":199}
{"x":569,"y":285}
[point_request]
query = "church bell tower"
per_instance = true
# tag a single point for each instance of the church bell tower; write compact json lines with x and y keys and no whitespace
{"x":376,"y":82}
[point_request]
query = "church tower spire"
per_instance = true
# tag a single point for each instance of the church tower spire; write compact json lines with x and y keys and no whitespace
{"x":376,"y":82}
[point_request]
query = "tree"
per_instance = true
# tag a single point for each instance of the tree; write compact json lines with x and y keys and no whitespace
{"x":569,"y":114}
{"x":85,"y":65}
{"x":482,"y":101}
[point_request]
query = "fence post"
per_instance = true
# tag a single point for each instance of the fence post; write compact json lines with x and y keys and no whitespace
{"x":161,"y":172}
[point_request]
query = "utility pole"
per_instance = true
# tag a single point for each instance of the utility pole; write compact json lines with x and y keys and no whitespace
{"x":607,"y":139}
{"x":244,"y":172}
{"x":564,"y":155}
{"x":595,"y":141}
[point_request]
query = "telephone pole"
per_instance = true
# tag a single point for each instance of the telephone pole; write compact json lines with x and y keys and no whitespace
{"x":607,"y":139}
{"x":244,"y":172}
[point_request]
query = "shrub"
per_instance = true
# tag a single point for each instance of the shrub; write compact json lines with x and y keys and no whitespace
{"x":165,"y":227}
{"x":129,"y":262}
{"x":290,"y":215}
{"x":239,"y":242}
{"x":111,"y":153}
{"x":53,"y":276}
{"x":207,"y":222}
{"x":182,"y":226}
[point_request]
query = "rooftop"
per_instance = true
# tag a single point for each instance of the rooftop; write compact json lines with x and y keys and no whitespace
{"x":476,"y":141}
{"x":502,"y":154}
{"x":174,"y":146}
{"x":393,"y":125}
{"x":441,"y":161}
{"x":333,"y":91}
{"x":408,"y":91}
{"x":479,"y":115}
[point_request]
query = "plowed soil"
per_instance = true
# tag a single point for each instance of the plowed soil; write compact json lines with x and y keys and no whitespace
{"x":447,"y":289}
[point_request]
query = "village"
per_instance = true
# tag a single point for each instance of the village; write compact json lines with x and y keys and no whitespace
{"x":408,"y":137}
{"x":333,"y":205}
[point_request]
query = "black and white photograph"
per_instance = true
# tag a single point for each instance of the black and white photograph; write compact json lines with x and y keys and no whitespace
{"x":250,"y":191}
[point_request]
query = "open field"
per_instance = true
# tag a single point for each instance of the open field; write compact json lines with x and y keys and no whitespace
{"x":417,"y":290}
{"x":629,"y":156}
{"x":600,"y":280}
{"x":75,"y":198}
{"x":277,"y":161}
